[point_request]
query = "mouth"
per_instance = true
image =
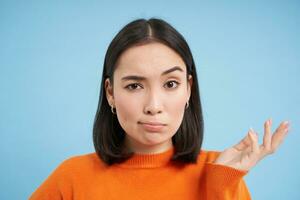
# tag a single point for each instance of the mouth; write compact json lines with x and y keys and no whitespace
{"x":153,"y":123}
{"x":153,"y":126}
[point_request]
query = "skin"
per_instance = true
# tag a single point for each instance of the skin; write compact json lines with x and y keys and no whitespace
{"x":247,"y":153}
{"x":159,"y":98}
{"x":154,"y":99}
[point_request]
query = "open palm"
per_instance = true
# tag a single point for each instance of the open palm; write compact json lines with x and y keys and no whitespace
{"x":248,"y":152}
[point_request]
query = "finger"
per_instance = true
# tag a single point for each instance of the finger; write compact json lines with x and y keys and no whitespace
{"x":279,"y":135}
{"x":267,"y":136}
{"x":244,"y":143}
{"x":254,"y":141}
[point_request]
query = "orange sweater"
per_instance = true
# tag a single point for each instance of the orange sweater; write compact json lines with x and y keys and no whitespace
{"x":144,"y":176}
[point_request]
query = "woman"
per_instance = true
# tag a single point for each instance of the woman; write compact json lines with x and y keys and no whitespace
{"x":148,"y":129}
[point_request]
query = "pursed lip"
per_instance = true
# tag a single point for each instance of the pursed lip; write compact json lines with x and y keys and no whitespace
{"x":155,"y":127}
{"x":153,"y":123}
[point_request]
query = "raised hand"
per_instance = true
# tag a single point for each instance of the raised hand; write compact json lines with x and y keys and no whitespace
{"x":248,"y":152}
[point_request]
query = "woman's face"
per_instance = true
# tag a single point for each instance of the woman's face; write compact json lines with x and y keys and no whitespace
{"x":149,"y":86}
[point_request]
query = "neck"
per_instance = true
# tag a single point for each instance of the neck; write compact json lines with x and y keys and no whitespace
{"x":138,"y":148}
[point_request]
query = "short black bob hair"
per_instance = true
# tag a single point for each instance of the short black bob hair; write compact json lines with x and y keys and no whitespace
{"x":108,"y":135}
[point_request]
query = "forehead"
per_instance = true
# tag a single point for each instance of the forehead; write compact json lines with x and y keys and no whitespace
{"x":149,"y":58}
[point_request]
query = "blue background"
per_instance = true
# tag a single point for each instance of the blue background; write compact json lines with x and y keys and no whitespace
{"x":51,"y":56}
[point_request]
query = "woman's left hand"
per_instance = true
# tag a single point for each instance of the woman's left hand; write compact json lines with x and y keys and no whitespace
{"x":248,"y":152}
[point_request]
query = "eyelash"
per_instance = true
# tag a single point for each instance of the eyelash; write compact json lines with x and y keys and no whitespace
{"x":128,"y":86}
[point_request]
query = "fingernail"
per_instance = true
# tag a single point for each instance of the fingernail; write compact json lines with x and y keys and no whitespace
{"x":251,"y":133}
{"x":270,"y":121}
{"x":286,"y":123}
{"x":286,"y":130}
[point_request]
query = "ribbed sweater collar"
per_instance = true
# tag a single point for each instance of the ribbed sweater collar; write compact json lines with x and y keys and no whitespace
{"x":151,"y":160}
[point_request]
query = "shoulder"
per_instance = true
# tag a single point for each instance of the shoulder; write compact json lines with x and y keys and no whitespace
{"x":72,"y":171}
{"x":208,"y":156}
{"x":80,"y":163}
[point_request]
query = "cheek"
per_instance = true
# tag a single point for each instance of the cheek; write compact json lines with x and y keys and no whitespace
{"x":176,"y":102}
{"x":176,"y":108}
{"x":173,"y":105}
{"x":127,"y":110}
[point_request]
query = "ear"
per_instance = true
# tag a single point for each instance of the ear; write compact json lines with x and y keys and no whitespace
{"x":190,"y":83}
{"x":109,"y":92}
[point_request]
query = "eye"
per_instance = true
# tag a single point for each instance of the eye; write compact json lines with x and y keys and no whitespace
{"x":171,"y":83}
{"x":132,"y":86}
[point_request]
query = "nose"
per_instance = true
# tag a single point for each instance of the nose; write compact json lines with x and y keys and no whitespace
{"x":153,"y":103}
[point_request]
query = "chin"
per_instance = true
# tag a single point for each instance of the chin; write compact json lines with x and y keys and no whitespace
{"x":154,"y":142}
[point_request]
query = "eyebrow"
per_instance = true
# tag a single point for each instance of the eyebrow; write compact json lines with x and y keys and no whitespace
{"x":140,"y":78}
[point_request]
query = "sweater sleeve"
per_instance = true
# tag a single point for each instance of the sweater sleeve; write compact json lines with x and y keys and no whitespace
{"x":225,"y":183}
{"x":57,"y":185}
